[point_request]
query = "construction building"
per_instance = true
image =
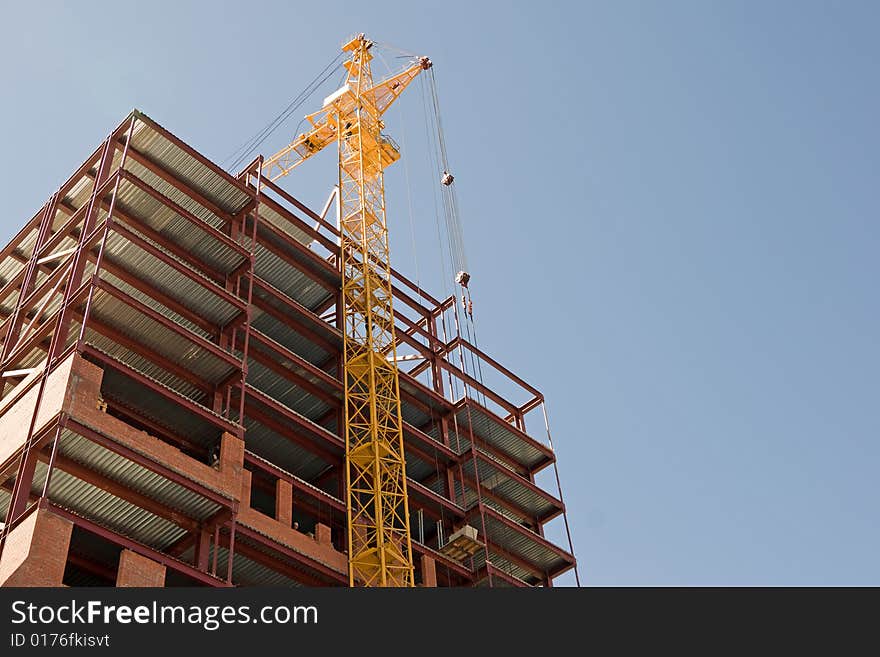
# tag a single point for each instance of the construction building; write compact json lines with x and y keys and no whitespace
{"x":172,"y":398}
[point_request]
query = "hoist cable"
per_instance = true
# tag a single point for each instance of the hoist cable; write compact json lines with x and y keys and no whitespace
{"x":456,"y":234}
{"x":239,"y":156}
{"x":432,"y":167}
{"x":409,"y":199}
{"x":291,"y":107}
{"x":403,"y":53}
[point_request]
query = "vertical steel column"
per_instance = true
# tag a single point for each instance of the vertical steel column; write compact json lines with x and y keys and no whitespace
{"x":473,"y":449}
{"x":81,"y":256}
{"x":231,"y":551}
{"x":107,"y":224}
{"x":230,"y":341}
{"x":449,"y":475}
{"x":340,"y":371}
{"x":216,"y":549}
{"x":44,"y":495}
{"x":452,"y":392}
{"x":250,"y":292}
{"x":520,"y":420}
{"x":436,"y":372}
{"x":13,"y":332}
{"x":27,"y":464}
{"x":21,"y":493}
{"x":237,"y":233}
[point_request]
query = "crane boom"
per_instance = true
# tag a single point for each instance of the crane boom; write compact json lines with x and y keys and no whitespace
{"x":379,"y":546}
{"x":378,"y":97}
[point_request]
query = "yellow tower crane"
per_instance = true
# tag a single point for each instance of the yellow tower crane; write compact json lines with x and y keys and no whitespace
{"x":379,"y":548}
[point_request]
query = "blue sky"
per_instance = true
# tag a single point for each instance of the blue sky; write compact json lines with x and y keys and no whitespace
{"x":671,"y":215}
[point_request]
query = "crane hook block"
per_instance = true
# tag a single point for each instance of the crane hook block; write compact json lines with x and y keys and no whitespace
{"x":447,"y":178}
{"x":462,"y":278}
{"x":425,"y":63}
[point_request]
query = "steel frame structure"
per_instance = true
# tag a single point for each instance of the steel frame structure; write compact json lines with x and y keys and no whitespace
{"x":277,"y":353}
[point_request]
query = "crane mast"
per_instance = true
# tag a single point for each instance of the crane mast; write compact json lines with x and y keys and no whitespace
{"x":379,"y":546}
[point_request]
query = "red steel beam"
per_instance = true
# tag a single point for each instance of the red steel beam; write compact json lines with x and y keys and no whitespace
{"x":460,"y":341}
{"x":296,"y":203}
{"x":170,"y":303}
{"x":500,"y":517}
{"x":519,"y":562}
{"x":293,"y":555}
{"x":161,"y":319}
{"x":197,"y":409}
{"x":98,"y":569}
{"x":300,"y":224}
{"x":488,"y":569}
{"x":66,"y":231}
{"x":295,"y":358}
{"x":501,"y":423}
{"x":130,"y":343}
{"x":294,"y":322}
{"x":298,"y":484}
{"x":168,"y":177}
{"x":276,"y":366}
{"x":154,"y":466}
{"x":519,"y":479}
{"x":558,"y":507}
{"x":443,"y":560}
{"x":47,"y":328}
{"x":306,"y":254}
{"x":327,"y":446}
{"x":12,"y":285}
{"x":121,"y":491}
{"x":504,"y":457}
{"x":189,"y":150}
{"x":330,"y":245}
{"x":295,"y":306}
{"x":132,"y":417}
{"x":22,"y":234}
{"x":415,"y":488}
{"x":330,"y":399}
{"x":473,"y":383}
{"x":134,"y":546}
{"x":187,"y":256}
{"x":31,"y":271}
{"x":425,"y":439}
{"x":191,"y":274}
{"x":186,"y":215}
{"x":508,"y":504}
{"x":299,"y":574}
{"x":43,"y":289}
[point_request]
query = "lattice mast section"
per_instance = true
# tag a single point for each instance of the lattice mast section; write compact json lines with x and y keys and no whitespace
{"x":380,"y":551}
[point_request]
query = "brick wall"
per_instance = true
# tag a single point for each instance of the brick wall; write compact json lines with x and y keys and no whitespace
{"x":35,"y":553}
{"x":15,"y":418}
{"x":136,"y":570}
{"x":83,"y":395}
{"x":318,"y":547}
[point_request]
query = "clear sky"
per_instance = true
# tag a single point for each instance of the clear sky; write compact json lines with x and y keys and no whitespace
{"x":671,"y":215}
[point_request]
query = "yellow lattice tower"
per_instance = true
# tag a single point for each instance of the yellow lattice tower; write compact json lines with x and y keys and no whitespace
{"x":380,"y":552}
